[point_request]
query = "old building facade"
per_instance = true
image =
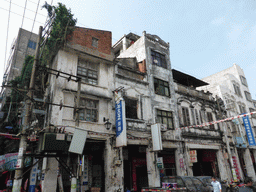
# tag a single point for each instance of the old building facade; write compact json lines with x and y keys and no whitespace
{"x":154,"y":93}
{"x":231,"y":86}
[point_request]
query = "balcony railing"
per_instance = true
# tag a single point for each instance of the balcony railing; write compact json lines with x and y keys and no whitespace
{"x":201,"y":133}
{"x":136,"y":125}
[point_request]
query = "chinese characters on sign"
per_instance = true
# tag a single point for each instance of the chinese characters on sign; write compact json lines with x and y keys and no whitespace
{"x":248,"y":130}
{"x":193,"y":156}
{"x":121,"y":138}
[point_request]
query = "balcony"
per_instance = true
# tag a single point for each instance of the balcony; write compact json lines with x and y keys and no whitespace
{"x":193,"y":92}
{"x":136,"y":125}
{"x":201,"y":133}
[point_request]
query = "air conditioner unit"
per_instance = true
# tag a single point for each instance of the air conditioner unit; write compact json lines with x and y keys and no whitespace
{"x":163,"y":127}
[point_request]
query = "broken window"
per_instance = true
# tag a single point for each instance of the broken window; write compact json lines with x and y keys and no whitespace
{"x":210,"y":119}
{"x":88,"y":72}
{"x":185,"y":115}
{"x":161,"y":87}
{"x":165,"y":117}
{"x":95,"y":42}
{"x":131,"y":108}
{"x":89,"y":111}
{"x":158,"y":59}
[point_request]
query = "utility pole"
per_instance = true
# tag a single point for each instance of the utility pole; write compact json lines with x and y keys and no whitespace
{"x":23,"y":140}
{"x":74,"y":179}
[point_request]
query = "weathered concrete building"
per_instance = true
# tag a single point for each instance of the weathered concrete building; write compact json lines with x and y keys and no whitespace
{"x":231,"y":86}
{"x":154,"y":93}
{"x":24,"y":44}
{"x":87,"y":55}
{"x":205,"y":142}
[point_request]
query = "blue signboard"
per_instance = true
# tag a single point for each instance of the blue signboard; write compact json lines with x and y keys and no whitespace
{"x":119,"y":118}
{"x":121,"y":138}
{"x":248,"y":130}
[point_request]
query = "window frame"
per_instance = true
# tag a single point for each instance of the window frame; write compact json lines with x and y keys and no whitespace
{"x":210,"y":119}
{"x":243,"y":80}
{"x":135,"y":108}
{"x":185,"y":116}
{"x":86,"y":108}
{"x":86,"y":78}
{"x":160,"y":84}
{"x":237,"y":90}
{"x":248,"y":96}
{"x":160,"y":58}
{"x":32,"y":44}
{"x":95,"y":42}
{"x":169,"y":117}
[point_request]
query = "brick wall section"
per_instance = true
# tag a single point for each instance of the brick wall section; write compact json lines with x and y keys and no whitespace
{"x":83,"y":36}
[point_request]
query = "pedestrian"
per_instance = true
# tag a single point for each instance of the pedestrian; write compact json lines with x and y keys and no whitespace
{"x":247,"y":186}
{"x":216,"y":185}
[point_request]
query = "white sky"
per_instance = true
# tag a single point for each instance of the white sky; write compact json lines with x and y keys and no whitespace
{"x":205,"y":36}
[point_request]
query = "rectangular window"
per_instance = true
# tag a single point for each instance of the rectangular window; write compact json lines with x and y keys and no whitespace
{"x":161,"y":87}
{"x":242,"y":109}
{"x":248,"y":96}
{"x":95,"y":42}
{"x":165,"y":117}
{"x":193,"y":116}
{"x":158,"y":59}
{"x":131,"y":108}
{"x":237,"y":90}
{"x":185,"y":115}
{"x":210,"y":119}
{"x":243,"y":80}
{"x":197,"y":117}
{"x":89,"y":111}
{"x":32,"y":44}
{"x":88,"y":72}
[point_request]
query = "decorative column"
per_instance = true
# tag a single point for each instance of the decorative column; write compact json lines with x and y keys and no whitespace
{"x":248,"y":164}
{"x":180,"y":162}
{"x":153,"y":171}
{"x":222,"y":166}
{"x":114,"y":167}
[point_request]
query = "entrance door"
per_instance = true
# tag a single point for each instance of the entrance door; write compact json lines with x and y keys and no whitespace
{"x":142,"y":177}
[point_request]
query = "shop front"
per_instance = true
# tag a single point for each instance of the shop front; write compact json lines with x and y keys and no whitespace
{"x":135,"y":167}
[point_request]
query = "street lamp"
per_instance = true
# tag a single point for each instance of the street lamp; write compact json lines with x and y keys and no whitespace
{"x":107,"y":123}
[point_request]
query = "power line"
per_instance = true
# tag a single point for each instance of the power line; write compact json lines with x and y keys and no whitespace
{"x":7,"y":33}
{"x":21,"y":15}
{"x":26,"y":8}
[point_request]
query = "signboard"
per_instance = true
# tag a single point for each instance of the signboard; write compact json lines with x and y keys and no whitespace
{"x":193,"y":156}
{"x":159,"y":162}
{"x":156,"y":137}
{"x":248,"y":130}
{"x":33,"y":175}
{"x":240,"y":142}
{"x":121,"y":138}
{"x":78,"y":141}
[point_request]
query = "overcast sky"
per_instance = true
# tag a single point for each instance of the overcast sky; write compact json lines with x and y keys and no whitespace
{"x":205,"y":36}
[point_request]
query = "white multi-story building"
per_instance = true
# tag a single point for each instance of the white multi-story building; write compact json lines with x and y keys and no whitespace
{"x":231,"y":86}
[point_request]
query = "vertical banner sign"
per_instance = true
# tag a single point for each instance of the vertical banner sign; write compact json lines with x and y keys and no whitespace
{"x":121,"y":138}
{"x":248,"y":130}
{"x":33,"y":176}
{"x":156,"y":137}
